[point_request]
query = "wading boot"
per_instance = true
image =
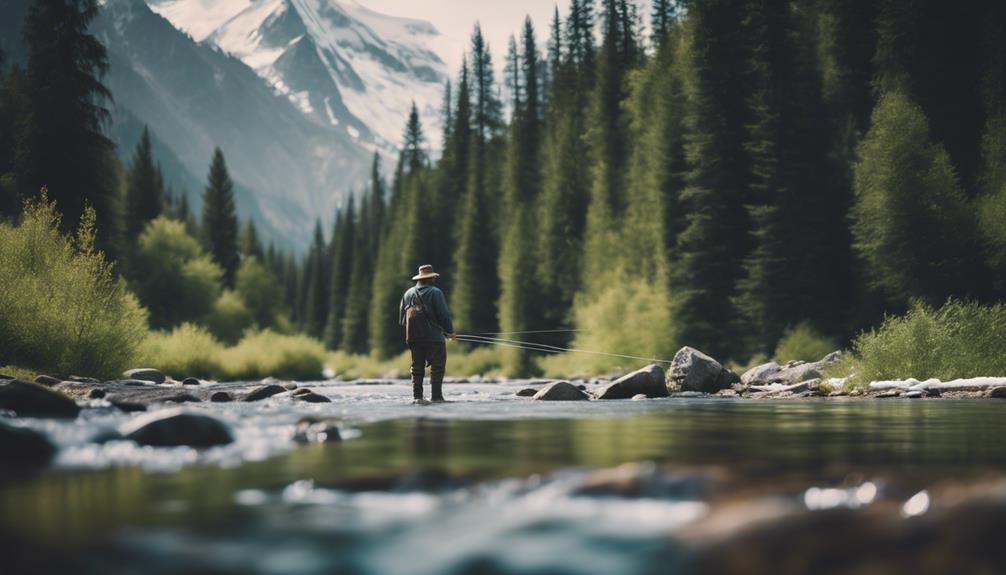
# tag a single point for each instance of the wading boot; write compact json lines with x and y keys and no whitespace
{"x":420,"y":401}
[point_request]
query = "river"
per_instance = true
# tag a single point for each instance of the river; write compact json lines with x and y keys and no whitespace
{"x":489,"y":483}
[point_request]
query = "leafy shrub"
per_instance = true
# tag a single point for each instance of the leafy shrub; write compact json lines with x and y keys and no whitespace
{"x":172,"y":275}
{"x":188,"y":350}
{"x":230,"y":317}
{"x":803,"y":342}
{"x":960,"y":339}
{"x":260,"y":290}
{"x":61,"y":309}
{"x":267,"y":353}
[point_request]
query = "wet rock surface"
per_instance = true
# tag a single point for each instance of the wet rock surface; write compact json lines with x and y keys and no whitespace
{"x":264,"y":391}
{"x":47,"y":380}
{"x":28,"y":399}
{"x":648,"y":381}
{"x":20,"y":446}
{"x":560,"y":391}
{"x":145,"y":374}
{"x":168,"y":428}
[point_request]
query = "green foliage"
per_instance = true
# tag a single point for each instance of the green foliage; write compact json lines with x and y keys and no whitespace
{"x":260,"y":291}
{"x":144,"y":193}
{"x":220,"y":221}
{"x":912,"y":223}
{"x":62,"y":311}
{"x":172,"y":276}
{"x":230,"y":317}
{"x":960,"y":339}
{"x":267,"y":353}
{"x":186,"y":351}
{"x":803,"y":342}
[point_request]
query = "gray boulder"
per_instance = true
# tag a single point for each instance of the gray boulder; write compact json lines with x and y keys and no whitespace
{"x":648,"y":381}
{"x":263,"y":391}
{"x":560,"y":391}
{"x":693,"y":370}
{"x":760,"y":373}
{"x":24,"y":447}
{"x":33,"y":400}
{"x":173,"y":427}
{"x":793,"y":372}
{"x":145,"y":374}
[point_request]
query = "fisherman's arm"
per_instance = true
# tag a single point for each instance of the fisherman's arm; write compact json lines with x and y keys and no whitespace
{"x":442,"y":313}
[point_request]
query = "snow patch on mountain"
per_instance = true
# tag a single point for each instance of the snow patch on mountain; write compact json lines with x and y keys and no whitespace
{"x":340,"y":63}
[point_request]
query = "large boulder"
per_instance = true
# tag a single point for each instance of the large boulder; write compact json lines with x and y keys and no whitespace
{"x":173,"y":427}
{"x":263,"y":391}
{"x":648,"y":381}
{"x":33,"y":400}
{"x":790,"y":374}
{"x":22,"y":446}
{"x":560,"y":391}
{"x":693,"y":370}
{"x":760,"y":373}
{"x":145,"y":374}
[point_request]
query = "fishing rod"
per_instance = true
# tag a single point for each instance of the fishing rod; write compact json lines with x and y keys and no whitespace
{"x":528,"y":332}
{"x":531,"y":346}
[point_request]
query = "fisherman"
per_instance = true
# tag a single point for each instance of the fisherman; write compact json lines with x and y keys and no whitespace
{"x":423,"y":311}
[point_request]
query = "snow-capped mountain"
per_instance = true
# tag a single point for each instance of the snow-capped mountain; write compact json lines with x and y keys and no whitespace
{"x":339,"y":63}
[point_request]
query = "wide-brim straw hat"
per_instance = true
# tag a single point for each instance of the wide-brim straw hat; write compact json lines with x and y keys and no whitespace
{"x":425,"y":273}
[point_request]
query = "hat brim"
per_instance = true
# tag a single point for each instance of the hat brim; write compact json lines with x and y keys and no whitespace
{"x":425,"y":276}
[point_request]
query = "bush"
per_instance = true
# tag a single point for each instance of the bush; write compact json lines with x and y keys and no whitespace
{"x":230,"y":318}
{"x":186,"y":351}
{"x":803,"y":342}
{"x":267,"y":353}
{"x":260,"y":290}
{"x":61,"y":309}
{"x":960,"y":339}
{"x":172,"y":275}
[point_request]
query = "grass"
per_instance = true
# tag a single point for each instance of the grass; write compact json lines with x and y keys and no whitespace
{"x":805,"y":343}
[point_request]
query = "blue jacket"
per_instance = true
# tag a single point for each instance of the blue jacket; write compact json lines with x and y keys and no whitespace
{"x":435,"y":304}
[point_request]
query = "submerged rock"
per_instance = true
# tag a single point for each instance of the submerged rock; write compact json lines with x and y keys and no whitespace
{"x":173,"y":427}
{"x":264,"y":391}
{"x":311,"y":430}
{"x":648,"y":381}
{"x":312,"y":397}
{"x":145,"y":374}
{"x":47,"y":380}
{"x":527,"y":392}
{"x":127,"y":406}
{"x":560,"y":391}
{"x":96,"y":393}
{"x":34,"y":400}
{"x":22,"y":446}
{"x":191,"y":381}
{"x":300,"y":391}
{"x":693,"y":370}
{"x":221,"y":397}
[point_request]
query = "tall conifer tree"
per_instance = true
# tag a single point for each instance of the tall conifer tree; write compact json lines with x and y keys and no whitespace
{"x":220,"y":220}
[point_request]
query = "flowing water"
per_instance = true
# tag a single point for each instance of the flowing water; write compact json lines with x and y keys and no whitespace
{"x":489,"y":483}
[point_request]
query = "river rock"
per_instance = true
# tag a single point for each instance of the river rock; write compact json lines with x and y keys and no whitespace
{"x":560,"y":391}
{"x":4,"y":376}
{"x":639,"y":397}
{"x":998,"y":392}
{"x":182,"y":398}
{"x":221,"y":397}
{"x":23,"y":446}
{"x":914,"y":394}
{"x":126,"y":405}
{"x":173,"y":427}
{"x":191,"y":381}
{"x":648,"y":381}
{"x":96,"y":393}
{"x":34,"y":400}
{"x":301,"y":391}
{"x":145,"y":374}
{"x":47,"y":380}
{"x":263,"y":391}
{"x":311,"y":430}
{"x":312,"y":397}
{"x":693,"y":370}
{"x":760,"y":373}
{"x":83,"y":379}
{"x":290,"y":385}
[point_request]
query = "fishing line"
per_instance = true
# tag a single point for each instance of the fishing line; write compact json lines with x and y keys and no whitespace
{"x":531,"y":331}
{"x":530,"y":346}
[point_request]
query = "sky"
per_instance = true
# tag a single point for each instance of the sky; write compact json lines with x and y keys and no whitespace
{"x":456,"y":18}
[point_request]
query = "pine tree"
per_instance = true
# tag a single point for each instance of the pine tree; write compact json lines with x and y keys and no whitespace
{"x":992,"y":202}
{"x":144,"y":192}
{"x":662,"y":16}
{"x":355,"y":332}
{"x":911,"y":219}
{"x":60,"y":141}
{"x":344,"y":243}
{"x":220,"y":221}
{"x":251,"y":246}
{"x":315,"y":285}
{"x":475,"y":290}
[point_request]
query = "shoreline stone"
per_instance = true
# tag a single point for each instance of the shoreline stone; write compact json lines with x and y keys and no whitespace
{"x":648,"y":381}
{"x":692,"y":370}
{"x":34,"y":400}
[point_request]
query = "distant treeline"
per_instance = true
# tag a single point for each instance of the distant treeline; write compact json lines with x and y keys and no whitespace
{"x":744,"y":168}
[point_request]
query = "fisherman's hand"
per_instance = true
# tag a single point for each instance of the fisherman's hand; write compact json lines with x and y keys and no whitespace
{"x":453,"y":336}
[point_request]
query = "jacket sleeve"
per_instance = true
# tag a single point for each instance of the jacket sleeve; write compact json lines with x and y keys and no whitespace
{"x":401,"y":310}
{"x":442,"y":314}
